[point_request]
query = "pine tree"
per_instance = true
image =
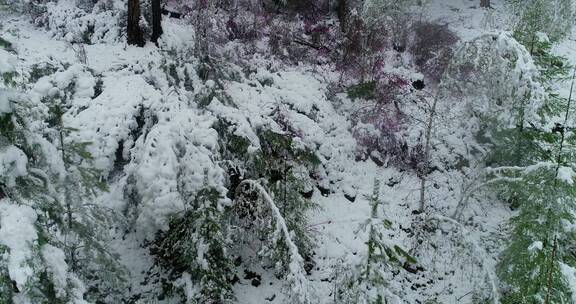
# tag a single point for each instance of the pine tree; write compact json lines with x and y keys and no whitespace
{"x":541,"y":187}
{"x":276,"y":177}
{"x":287,"y":169}
{"x":502,"y":86}
{"x":530,"y":265}
{"x":283,"y":168}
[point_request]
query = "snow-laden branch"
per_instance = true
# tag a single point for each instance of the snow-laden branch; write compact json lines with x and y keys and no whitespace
{"x":296,"y":275}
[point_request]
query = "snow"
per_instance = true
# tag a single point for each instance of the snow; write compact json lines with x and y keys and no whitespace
{"x":569,"y":274}
{"x":56,"y":262}
{"x":566,"y":174}
{"x":7,"y":62}
{"x":12,"y":165}
{"x":170,"y":149}
{"x":18,"y":233}
{"x":536,"y":246}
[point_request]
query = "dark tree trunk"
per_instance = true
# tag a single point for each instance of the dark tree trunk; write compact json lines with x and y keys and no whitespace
{"x":134,"y":34}
{"x":484,"y":3}
{"x":343,"y":14}
{"x":156,"y":21}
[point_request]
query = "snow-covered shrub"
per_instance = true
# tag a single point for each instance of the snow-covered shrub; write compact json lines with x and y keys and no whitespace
{"x":307,"y":40}
{"x":361,"y":49}
{"x":432,"y":48}
{"x":380,"y":11}
{"x":500,"y":72}
{"x":36,"y":9}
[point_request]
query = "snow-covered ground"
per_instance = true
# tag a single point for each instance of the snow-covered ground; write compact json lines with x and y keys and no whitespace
{"x":139,"y":121}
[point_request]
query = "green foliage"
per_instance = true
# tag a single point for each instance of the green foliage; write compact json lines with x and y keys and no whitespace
{"x":232,"y":144}
{"x":206,"y":95}
{"x":283,"y":169}
{"x":6,"y":126}
{"x":295,"y":208}
{"x":47,"y":292}
{"x":552,"y":67}
{"x":8,"y":78}
{"x":510,"y":146}
{"x":171,"y":72}
{"x":363,"y":90}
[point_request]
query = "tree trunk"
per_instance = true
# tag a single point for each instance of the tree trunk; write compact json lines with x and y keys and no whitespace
{"x":485,"y":3}
{"x":156,"y":21}
{"x":134,"y":34}
{"x":343,"y":14}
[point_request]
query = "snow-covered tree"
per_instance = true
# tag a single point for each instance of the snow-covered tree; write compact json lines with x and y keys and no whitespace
{"x":539,"y":182}
{"x":284,"y":169}
{"x":48,"y":183}
{"x":544,"y":194}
